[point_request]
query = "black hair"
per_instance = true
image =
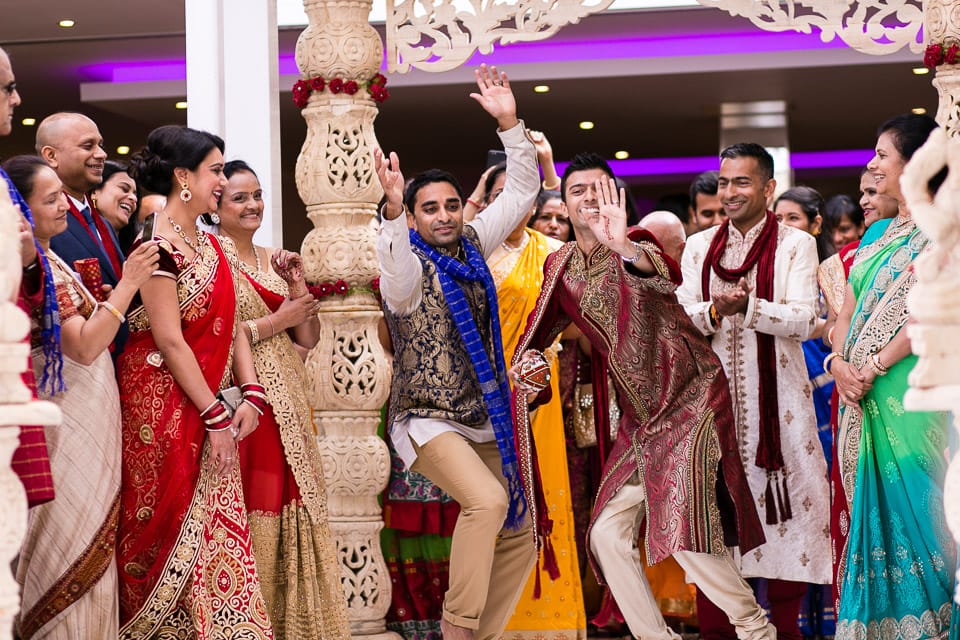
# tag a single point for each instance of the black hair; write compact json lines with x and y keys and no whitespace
{"x":497,"y":170}
{"x":909,"y":131}
{"x":839,"y":206}
{"x":22,"y":171}
{"x":583,"y":162}
{"x":423,"y":179}
{"x":236,"y":166}
{"x":751,"y":150}
{"x":545,"y":196}
{"x":169,"y":147}
{"x":705,"y":183}
{"x":811,"y":203}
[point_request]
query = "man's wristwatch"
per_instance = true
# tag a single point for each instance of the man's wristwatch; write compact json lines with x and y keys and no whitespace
{"x":638,"y":251}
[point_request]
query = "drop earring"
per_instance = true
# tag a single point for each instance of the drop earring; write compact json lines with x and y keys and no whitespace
{"x":215,"y":218}
{"x":185,"y":194}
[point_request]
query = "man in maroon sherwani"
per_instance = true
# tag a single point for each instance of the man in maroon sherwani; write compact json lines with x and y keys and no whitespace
{"x":674,"y":466}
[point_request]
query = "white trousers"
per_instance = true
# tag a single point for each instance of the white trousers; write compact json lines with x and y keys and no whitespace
{"x":613,"y":541}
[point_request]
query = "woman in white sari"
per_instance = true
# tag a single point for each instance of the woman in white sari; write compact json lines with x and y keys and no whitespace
{"x":67,"y":567}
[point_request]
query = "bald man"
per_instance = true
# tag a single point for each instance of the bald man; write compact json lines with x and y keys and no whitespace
{"x":668,"y":230}
{"x":73,"y":147}
{"x":617,"y":285}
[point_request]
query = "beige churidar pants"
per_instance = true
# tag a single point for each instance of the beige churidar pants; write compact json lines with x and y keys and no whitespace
{"x":613,"y":543}
{"x":487,"y":570}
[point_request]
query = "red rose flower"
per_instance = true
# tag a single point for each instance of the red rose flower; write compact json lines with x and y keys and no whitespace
{"x":379,"y":92}
{"x":301,"y":93}
{"x":375,"y":284}
{"x":341,"y":287}
{"x":350,"y":87}
{"x":314,"y":290}
{"x":326,"y":288}
{"x":933,"y":56}
{"x":378,"y":79}
{"x":950,"y":57}
{"x":317,"y":83}
{"x":336,"y":85}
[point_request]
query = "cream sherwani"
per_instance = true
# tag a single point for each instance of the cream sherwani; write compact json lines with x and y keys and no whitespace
{"x":797,"y":549}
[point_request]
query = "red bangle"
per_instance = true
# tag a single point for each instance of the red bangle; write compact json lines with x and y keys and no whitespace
{"x":216,"y":417}
{"x":476,"y":204}
{"x":256,"y":396}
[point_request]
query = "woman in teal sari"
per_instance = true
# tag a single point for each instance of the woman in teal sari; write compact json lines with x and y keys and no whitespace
{"x":896,"y":573}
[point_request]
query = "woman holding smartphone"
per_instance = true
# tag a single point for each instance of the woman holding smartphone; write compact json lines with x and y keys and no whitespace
{"x":66,"y":567}
{"x":184,"y":551}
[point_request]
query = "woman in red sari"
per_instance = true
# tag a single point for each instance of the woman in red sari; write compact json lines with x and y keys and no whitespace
{"x":184,"y":553}
{"x":280,"y":463}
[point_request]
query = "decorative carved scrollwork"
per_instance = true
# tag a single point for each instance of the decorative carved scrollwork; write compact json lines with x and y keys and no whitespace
{"x":872,"y":26}
{"x":438,"y":36}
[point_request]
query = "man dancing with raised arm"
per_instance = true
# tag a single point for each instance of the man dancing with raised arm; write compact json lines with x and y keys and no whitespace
{"x":450,"y":401}
{"x":674,"y":463}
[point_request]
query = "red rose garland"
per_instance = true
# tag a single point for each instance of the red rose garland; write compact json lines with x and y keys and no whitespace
{"x":339,"y":288}
{"x":376,"y":87}
{"x":935,"y":55}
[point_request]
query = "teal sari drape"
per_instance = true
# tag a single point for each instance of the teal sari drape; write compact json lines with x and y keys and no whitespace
{"x":896,"y":578}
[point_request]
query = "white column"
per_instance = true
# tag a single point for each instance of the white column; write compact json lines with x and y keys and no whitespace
{"x":233,"y":90}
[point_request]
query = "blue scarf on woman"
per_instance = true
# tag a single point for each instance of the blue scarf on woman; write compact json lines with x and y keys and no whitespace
{"x":52,"y":379}
{"x":493,"y":379}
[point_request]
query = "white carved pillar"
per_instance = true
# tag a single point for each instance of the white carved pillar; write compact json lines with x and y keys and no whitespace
{"x":16,"y":408}
{"x":349,"y":371}
{"x":934,"y":302}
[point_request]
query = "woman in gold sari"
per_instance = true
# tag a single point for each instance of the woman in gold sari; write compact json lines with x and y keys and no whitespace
{"x":280,"y":463}
{"x":517,"y":268}
{"x":66,"y":566}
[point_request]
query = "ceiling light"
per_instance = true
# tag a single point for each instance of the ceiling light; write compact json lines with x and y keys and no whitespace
{"x":586,"y":125}
{"x":181,"y":105}
{"x":66,"y":24}
{"x":621,"y":155}
{"x":541,"y":88}
{"x":123,"y":150}
{"x":28,"y":122}
{"x":918,"y":111}
{"x":920,"y":71}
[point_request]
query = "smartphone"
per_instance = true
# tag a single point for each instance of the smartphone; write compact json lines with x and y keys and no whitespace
{"x":146,"y":233}
{"x":495,"y":156}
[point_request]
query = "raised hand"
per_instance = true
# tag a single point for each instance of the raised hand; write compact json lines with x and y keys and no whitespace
{"x":391,"y":181}
{"x":141,"y":263}
{"x":289,"y":266}
{"x":609,"y":225}
{"x":496,"y":96}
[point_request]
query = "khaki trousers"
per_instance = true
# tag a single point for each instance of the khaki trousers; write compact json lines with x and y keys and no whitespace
{"x":487,"y":571}
{"x":613,"y":542}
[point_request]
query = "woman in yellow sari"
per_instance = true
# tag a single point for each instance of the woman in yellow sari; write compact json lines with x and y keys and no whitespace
{"x":517,"y":268}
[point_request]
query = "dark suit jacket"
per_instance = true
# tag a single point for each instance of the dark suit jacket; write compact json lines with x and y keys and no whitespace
{"x":76,"y":244}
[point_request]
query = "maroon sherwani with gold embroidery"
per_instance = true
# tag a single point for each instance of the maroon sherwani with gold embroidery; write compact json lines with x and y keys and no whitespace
{"x":676,"y":432}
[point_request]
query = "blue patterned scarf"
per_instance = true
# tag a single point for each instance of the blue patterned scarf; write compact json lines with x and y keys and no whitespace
{"x":493,"y":382}
{"x":52,"y":379}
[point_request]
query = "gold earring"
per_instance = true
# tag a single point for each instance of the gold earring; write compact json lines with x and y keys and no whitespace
{"x":185,"y":194}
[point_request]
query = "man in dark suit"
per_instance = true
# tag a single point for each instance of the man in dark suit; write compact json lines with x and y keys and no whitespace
{"x":73,"y":147}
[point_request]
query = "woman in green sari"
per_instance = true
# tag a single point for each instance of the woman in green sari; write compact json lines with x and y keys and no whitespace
{"x":896,"y":573}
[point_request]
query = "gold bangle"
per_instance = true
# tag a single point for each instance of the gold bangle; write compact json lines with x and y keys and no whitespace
{"x":113,"y":310}
{"x":254,"y":332}
{"x":273,"y":330}
{"x":877,"y":366}
{"x":830,"y":334}
{"x":553,"y":187}
{"x":833,"y":355}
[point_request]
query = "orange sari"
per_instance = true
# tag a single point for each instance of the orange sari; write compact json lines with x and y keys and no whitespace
{"x":184,"y":552}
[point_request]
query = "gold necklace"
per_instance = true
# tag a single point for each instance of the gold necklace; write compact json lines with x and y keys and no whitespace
{"x":179,"y":231}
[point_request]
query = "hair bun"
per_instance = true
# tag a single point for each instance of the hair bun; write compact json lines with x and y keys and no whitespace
{"x":151,"y":171}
